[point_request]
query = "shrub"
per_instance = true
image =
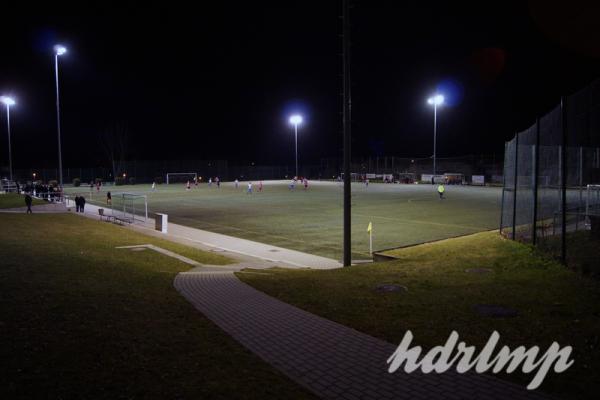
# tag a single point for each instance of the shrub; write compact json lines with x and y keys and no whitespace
{"x":119,"y":181}
{"x":76,"y":182}
{"x":132,"y":180}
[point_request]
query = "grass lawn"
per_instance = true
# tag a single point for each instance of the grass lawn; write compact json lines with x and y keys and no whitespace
{"x":14,"y":200}
{"x":553,"y":304}
{"x":81,"y":319}
{"x":311,"y":221}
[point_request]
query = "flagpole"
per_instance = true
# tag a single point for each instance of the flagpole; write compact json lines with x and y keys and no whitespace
{"x":370,"y":230}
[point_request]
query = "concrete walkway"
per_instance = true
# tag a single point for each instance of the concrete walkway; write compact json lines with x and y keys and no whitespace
{"x":329,"y":359}
{"x":239,"y":248}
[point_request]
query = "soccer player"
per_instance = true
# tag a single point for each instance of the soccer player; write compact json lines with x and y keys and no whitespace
{"x":260,"y":186}
{"x":218,"y":182}
{"x":237,"y":183}
{"x":108,"y":198}
{"x":292,"y":184}
{"x":153,"y":186}
{"x":209,"y":182}
{"x":249,"y":188}
{"x":187,"y":186}
{"x":305,"y":183}
{"x":195,"y":181}
{"x":441,"y":191}
{"x":367,"y":182}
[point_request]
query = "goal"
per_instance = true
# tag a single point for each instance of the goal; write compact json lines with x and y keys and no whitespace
{"x":181,"y":177}
{"x":130,"y":207}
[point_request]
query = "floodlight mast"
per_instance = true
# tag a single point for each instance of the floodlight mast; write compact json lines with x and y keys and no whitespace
{"x":347,"y":102}
{"x":296,"y":120}
{"x":8,"y":102}
{"x":435,"y":101}
{"x":59,"y":50}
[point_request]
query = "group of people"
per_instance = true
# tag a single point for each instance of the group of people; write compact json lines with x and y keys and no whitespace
{"x":217,"y":182}
{"x":43,"y":191}
{"x":249,"y":191}
{"x":294,"y":181}
{"x":79,"y":203}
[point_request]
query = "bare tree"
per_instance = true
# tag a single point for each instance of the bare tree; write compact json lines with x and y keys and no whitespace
{"x":114,"y":141}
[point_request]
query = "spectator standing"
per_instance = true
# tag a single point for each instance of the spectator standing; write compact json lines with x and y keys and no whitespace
{"x":28,"y":201}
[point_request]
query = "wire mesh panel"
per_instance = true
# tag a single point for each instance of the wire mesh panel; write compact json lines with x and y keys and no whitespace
{"x":508,"y":192}
{"x":549,"y":184}
{"x":525,"y":184}
{"x":552,"y":179}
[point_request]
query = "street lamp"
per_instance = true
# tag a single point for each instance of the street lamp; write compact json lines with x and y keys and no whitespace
{"x":59,"y":50}
{"x":8,"y":101}
{"x":435,"y":101}
{"x":296,"y":120}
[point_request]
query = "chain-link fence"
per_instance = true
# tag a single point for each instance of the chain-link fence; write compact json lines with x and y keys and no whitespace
{"x":552,"y":182}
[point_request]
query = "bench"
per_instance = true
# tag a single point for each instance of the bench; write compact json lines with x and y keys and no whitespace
{"x":112,"y":218}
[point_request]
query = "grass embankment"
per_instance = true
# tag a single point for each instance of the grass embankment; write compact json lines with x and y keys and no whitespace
{"x":553,"y":303}
{"x":81,"y":319}
{"x":14,"y":200}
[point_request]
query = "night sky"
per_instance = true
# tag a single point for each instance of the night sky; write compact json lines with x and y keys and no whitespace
{"x":219,"y":81}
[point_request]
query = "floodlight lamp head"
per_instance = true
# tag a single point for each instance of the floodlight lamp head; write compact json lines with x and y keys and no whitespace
{"x":296,"y":119}
{"x":8,"y":101}
{"x":436,"y":100}
{"x":60,"y":50}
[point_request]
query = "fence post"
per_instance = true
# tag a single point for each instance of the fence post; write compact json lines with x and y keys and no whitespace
{"x":536,"y":171}
{"x":514,"y":216}
{"x":580,"y":177}
{"x":503,"y":188}
{"x":563,"y":250}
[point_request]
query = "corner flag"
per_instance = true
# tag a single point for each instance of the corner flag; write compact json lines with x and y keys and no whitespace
{"x":370,"y":230}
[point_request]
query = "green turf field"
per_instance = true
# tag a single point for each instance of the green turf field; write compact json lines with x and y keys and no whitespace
{"x":311,"y":220}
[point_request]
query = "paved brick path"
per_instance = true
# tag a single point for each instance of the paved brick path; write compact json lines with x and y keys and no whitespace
{"x":331,"y":360}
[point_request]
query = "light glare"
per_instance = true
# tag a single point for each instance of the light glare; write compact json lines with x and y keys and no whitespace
{"x":9,"y":101}
{"x":296,"y":119}
{"x":436,"y":100}
{"x":60,"y":50}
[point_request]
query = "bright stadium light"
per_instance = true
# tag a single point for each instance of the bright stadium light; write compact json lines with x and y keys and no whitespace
{"x":59,"y":50}
{"x":296,"y":120}
{"x":435,"y":100}
{"x":8,"y":102}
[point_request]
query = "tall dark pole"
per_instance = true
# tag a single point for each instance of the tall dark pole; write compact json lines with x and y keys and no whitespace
{"x":60,"y":171}
{"x":434,"y":136}
{"x":563,"y":183}
{"x":10,"y":171}
{"x":347,"y":142}
{"x":296,"y":134}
